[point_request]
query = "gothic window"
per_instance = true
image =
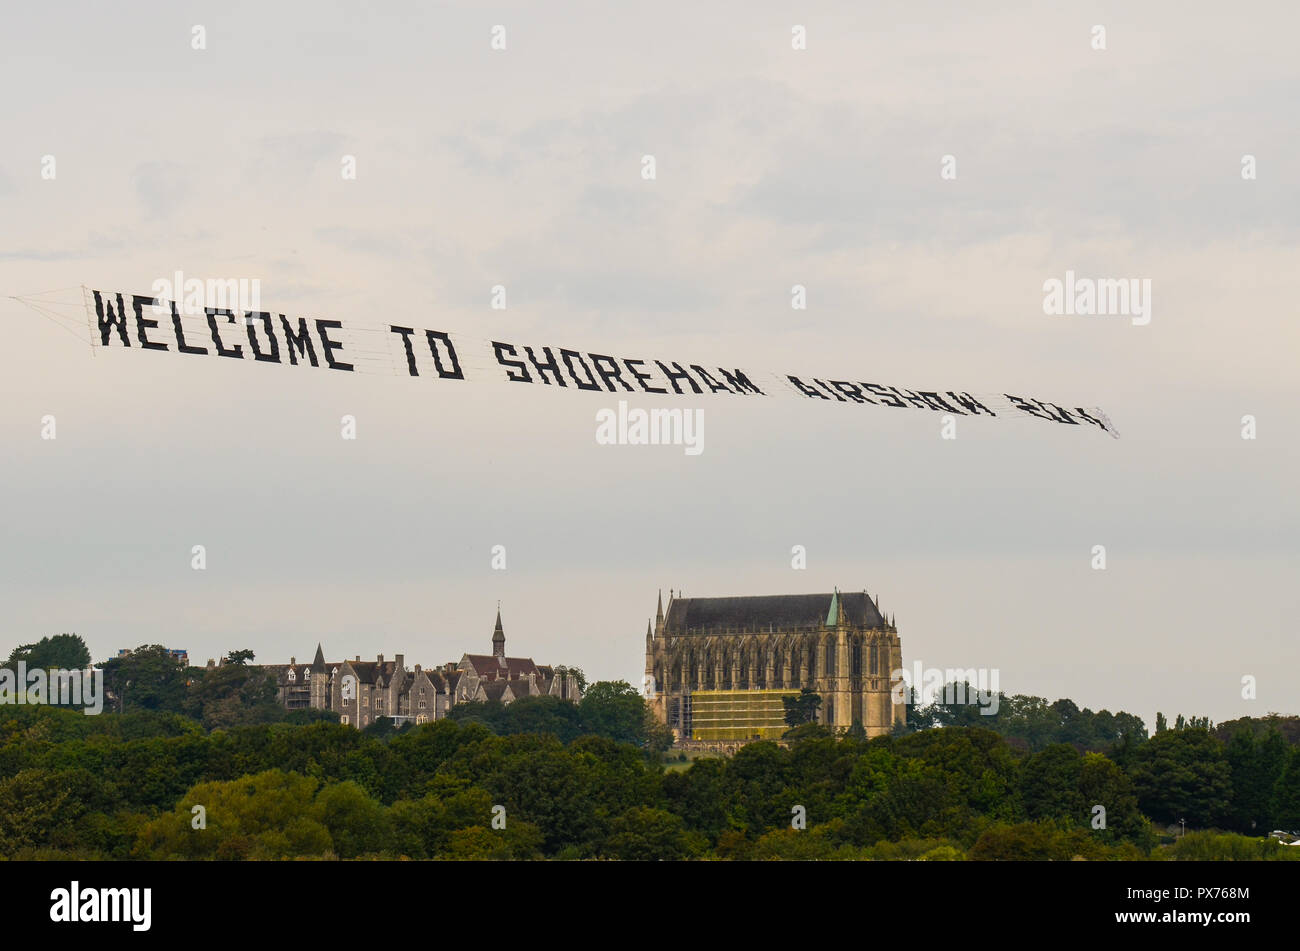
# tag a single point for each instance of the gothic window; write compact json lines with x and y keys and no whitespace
{"x":875,"y":659}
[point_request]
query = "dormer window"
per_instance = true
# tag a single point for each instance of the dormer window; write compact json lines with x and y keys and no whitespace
{"x":292,"y":678}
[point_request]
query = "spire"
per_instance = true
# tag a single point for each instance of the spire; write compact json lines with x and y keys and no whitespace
{"x":833,"y":615}
{"x":649,"y":638}
{"x":498,"y":636}
{"x":318,"y":665}
{"x":659,"y":614}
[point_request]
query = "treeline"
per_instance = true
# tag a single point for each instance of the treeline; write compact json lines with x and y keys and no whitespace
{"x":157,"y":786}
{"x":1032,"y":723}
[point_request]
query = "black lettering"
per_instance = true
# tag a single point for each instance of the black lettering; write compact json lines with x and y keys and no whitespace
{"x":970,"y":404}
{"x":713,"y":385}
{"x":910,"y":397}
{"x":142,"y":322}
{"x":1089,"y":417}
{"x":301,"y":341}
{"x":106,"y":324}
{"x":679,"y":375}
{"x":406,"y":345}
{"x":829,"y":390}
{"x":590,"y":383}
{"x":181,"y":345}
{"x":936,"y":403}
{"x":1057,"y":413}
{"x":274,"y":355}
{"x":514,"y":377}
{"x":888,"y":398}
{"x":456,"y":373}
{"x":1029,"y":408}
{"x":740,"y":382}
{"x":213,"y":313}
{"x":550,"y":366}
{"x":849,"y":390}
{"x":642,"y":377}
{"x":609,"y":372}
{"x":328,"y":346}
{"x":805,"y":389}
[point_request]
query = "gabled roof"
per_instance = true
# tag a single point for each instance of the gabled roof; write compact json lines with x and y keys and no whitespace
{"x":490,"y":667}
{"x":779,"y":612}
{"x":369,"y":670}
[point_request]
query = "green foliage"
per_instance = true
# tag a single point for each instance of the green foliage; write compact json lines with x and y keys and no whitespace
{"x":1221,"y":847}
{"x":614,"y":709}
{"x":1286,"y":794}
{"x":148,"y":678}
{"x":803,"y":708}
{"x":1042,"y":841}
{"x":62,"y":651}
{"x":124,"y":786}
{"x":1183,"y":774}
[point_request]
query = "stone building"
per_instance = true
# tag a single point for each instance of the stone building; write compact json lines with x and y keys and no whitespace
{"x":716,"y":668}
{"x":362,"y":691}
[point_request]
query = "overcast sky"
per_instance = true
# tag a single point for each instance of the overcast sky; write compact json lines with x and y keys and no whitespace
{"x":775,"y":167}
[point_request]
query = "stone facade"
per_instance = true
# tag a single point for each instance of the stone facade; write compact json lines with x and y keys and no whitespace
{"x":362,"y":691}
{"x":837,"y":644}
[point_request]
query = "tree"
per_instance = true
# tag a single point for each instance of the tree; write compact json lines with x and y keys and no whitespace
{"x":644,"y":833}
{"x":803,"y":708}
{"x":148,"y":678}
{"x":262,"y":816}
{"x":1049,"y":784}
{"x":1286,"y":795}
{"x":1182,"y":774}
{"x":658,"y":735}
{"x":357,"y":823}
{"x":1256,"y":763}
{"x":614,"y":709}
{"x":239,"y":657}
{"x":61,"y":651}
{"x":542,"y":714}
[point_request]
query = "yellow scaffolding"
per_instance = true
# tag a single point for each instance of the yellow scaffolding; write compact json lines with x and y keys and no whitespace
{"x":738,"y":714}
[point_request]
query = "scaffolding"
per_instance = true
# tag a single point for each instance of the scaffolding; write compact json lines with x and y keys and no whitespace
{"x":738,"y":714}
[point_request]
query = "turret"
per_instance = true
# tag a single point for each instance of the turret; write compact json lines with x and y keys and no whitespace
{"x":499,"y":638}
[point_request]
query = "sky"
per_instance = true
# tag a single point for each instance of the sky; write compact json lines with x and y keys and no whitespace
{"x":774,"y":166}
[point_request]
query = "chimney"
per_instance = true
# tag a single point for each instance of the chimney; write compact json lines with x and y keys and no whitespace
{"x":399,"y":659}
{"x":381,"y":658}
{"x":417,"y":668}
{"x":358,"y":660}
{"x":293,"y":661}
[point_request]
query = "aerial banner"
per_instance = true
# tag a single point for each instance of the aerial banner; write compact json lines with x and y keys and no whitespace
{"x":146,"y":322}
